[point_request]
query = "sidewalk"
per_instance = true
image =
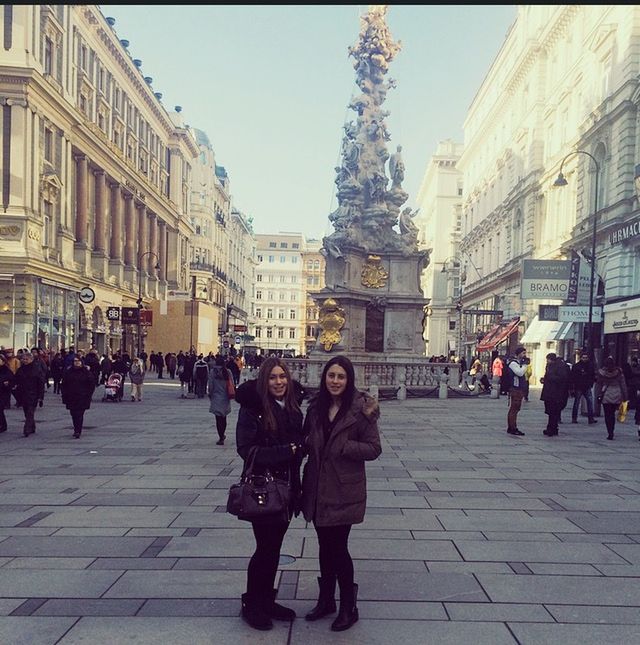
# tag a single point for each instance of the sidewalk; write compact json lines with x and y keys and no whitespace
{"x":471,"y":535}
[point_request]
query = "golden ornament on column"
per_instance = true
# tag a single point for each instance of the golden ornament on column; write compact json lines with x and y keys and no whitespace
{"x":373,"y":274}
{"x":331,"y":321}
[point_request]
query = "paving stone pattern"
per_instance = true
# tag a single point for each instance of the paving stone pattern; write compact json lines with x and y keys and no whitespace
{"x":471,"y":535}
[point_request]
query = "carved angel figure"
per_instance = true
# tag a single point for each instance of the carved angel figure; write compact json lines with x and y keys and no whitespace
{"x":405,"y":221}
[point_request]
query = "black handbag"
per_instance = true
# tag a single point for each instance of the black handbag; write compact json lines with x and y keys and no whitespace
{"x":601,"y":395}
{"x":258,"y":498}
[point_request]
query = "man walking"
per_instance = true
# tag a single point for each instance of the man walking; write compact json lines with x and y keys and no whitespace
{"x":516,"y":368}
{"x":583,"y":376}
{"x":555,"y":392}
{"x":30,"y":387}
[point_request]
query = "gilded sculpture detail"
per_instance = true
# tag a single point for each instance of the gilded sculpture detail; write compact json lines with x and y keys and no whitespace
{"x":331,"y":320}
{"x":373,"y":274}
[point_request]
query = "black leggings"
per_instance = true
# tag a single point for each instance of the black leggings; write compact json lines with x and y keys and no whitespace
{"x":221,"y":425}
{"x":335,"y":560}
{"x":610,"y":410}
{"x":263,"y":565}
{"x":77,"y":417}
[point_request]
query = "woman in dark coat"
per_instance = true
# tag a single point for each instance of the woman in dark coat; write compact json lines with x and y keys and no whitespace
{"x":6,"y":385}
{"x":612,"y":387}
{"x":341,"y":429}
{"x":269,"y":418}
{"x":78,"y":385}
{"x":219,"y":397}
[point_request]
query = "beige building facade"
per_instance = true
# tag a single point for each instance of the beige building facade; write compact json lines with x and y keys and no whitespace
{"x":565,"y":80}
{"x":96,"y":179}
{"x":313,"y":267}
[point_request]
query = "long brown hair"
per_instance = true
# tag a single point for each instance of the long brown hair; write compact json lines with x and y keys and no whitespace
{"x":290,"y":401}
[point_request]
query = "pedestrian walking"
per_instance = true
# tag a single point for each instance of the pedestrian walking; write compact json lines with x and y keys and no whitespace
{"x":29,"y":390}
{"x":555,"y":392}
{"x":200,"y":376}
{"x":516,"y":368}
{"x":77,"y":389}
{"x":583,"y":376}
{"x":611,"y":391}
{"x":219,"y":396}
{"x":7,"y":379}
{"x":136,"y":374}
{"x":172,"y":364}
{"x":57,"y":369}
{"x":341,"y":433}
{"x":270,"y":421}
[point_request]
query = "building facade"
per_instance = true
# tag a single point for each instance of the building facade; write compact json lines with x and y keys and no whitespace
{"x":313,"y":267}
{"x":438,"y":218}
{"x":565,"y":80}
{"x":95,"y":182}
{"x":279,"y":296}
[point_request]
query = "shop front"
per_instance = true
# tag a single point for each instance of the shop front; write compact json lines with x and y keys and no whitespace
{"x":57,"y":315}
{"x":622,"y":329}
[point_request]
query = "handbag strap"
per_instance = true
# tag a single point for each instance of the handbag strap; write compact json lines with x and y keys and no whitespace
{"x":249,"y":463}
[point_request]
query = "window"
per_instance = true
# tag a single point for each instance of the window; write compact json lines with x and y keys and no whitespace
{"x":309,"y":279}
{"x":259,"y":277}
{"x":259,"y":258}
{"x":452,"y":325}
{"x":316,"y":264}
{"x":48,"y":145}
{"x":280,"y":332}
{"x":269,"y":332}
{"x":272,"y":259}
{"x":283,"y":245}
{"x":258,"y":332}
{"x":283,"y":259}
{"x":294,"y":259}
{"x":271,"y":296}
{"x":309,"y":264}
{"x":258,"y":295}
{"x":281,"y":313}
{"x":283,"y":278}
{"x":294,"y":296}
{"x":272,"y":245}
{"x":269,"y":312}
{"x":295,"y":245}
{"x":46,"y":233}
{"x":294,"y":279}
{"x":292,"y":314}
{"x":259,"y":312}
{"x":292,"y":332}
{"x":48,"y":56}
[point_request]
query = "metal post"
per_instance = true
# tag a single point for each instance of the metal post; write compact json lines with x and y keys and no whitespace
{"x":592,"y":344}
{"x":193,"y":295}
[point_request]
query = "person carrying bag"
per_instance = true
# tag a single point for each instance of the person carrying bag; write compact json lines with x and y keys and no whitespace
{"x":268,"y":438}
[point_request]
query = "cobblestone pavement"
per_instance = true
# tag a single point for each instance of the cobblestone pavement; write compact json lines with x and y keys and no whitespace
{"x":471,"y":535}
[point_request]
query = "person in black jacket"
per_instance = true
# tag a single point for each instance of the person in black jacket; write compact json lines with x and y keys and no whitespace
{"x":555,"y":392}
{"x":583,"y":376}
{"x":30,"y":390}
{"x":77,"y":388}
{"x":6,"y":385}
{"x":269,"y":418}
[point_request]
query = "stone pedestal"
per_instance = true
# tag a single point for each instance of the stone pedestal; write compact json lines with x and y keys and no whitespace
{"x":100,"y":264}
{"x":82,"y":257}
{"x":116,"y":269}
{"x":380,"y":300}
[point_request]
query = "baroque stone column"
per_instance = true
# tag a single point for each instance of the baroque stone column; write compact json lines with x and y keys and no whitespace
{"x":101,"y":207}
{"x":129,"y":228}
{"x":153,"y":246}
{"x":115,"y":246}
{"x":162,"y":252}
{"x":81,"y":200}
{"x":142,"y":237}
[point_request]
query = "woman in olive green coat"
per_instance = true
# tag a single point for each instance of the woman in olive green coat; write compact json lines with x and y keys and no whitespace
{"x":341,"y":432}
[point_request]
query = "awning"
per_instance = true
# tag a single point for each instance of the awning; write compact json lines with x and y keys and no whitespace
{"x":545,"y":331}
{"x":498,"y":334}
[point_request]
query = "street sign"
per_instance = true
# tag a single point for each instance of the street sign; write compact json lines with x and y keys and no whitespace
{"x":146,"y":318}
{"x":561,"y":313}
{"x":237,"y":340}
{"x":174,"y":294}
{"x":130,"y":315}
{"x":113,"y":313}
{"x":239,"y":328}
{"x":86,"y":295}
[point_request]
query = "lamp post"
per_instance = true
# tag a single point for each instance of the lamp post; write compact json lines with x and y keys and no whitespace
{"x":193,"y":297}
{"x":561,"y":181}
{"x":139,"y":300}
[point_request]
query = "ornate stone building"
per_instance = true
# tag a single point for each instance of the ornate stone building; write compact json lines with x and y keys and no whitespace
{"x":95,"y":181}
{"x":565,"y":79}
{"x":313,"y":266}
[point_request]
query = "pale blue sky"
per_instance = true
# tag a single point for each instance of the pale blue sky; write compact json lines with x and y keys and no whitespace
{"x":270,"y":85}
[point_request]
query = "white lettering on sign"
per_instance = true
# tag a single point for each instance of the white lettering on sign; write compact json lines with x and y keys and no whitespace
{"x":625,"y":232}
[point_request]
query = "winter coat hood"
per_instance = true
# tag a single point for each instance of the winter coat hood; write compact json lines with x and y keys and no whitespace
{"x":612,"y":373}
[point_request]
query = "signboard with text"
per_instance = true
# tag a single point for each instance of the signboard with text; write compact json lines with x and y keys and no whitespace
{"x":562,"y":313}
{"x":545,"y":279}
{"x":146,"y":318}
{"x":130,"y":315}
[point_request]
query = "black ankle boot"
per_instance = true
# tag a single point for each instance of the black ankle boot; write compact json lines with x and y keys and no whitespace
{"x":274,"y":610}
{"x":348,"y":614}
{"x":326,"y":600}
{"x":254,"y":614}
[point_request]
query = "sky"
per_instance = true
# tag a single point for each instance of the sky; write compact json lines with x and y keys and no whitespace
{"x":270,"y":87}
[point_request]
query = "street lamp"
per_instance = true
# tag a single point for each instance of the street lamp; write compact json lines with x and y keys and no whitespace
{"x":559,"y":182}
{"x":139,"y":300}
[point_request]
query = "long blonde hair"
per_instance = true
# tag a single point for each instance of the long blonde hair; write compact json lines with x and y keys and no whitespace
{"x":290,"y":400}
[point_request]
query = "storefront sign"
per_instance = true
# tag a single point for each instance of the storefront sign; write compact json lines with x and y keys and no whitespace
{"x":174,"y":294}
{"x":130,"y":315}
{"x":146,"y":318}
{"x":113,"y":313}
{"x":625,"y":232}
{"x":562,"y":313}
{"x":621,"y":317}
{"x":545,"y":279}
{"x":548,"y":312}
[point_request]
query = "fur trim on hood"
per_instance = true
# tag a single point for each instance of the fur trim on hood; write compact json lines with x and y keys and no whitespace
{"x":247,"y":394}
{"x":610,"y":373}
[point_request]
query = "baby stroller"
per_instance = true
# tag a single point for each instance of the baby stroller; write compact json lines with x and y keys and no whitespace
{"x":113,"y":388}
